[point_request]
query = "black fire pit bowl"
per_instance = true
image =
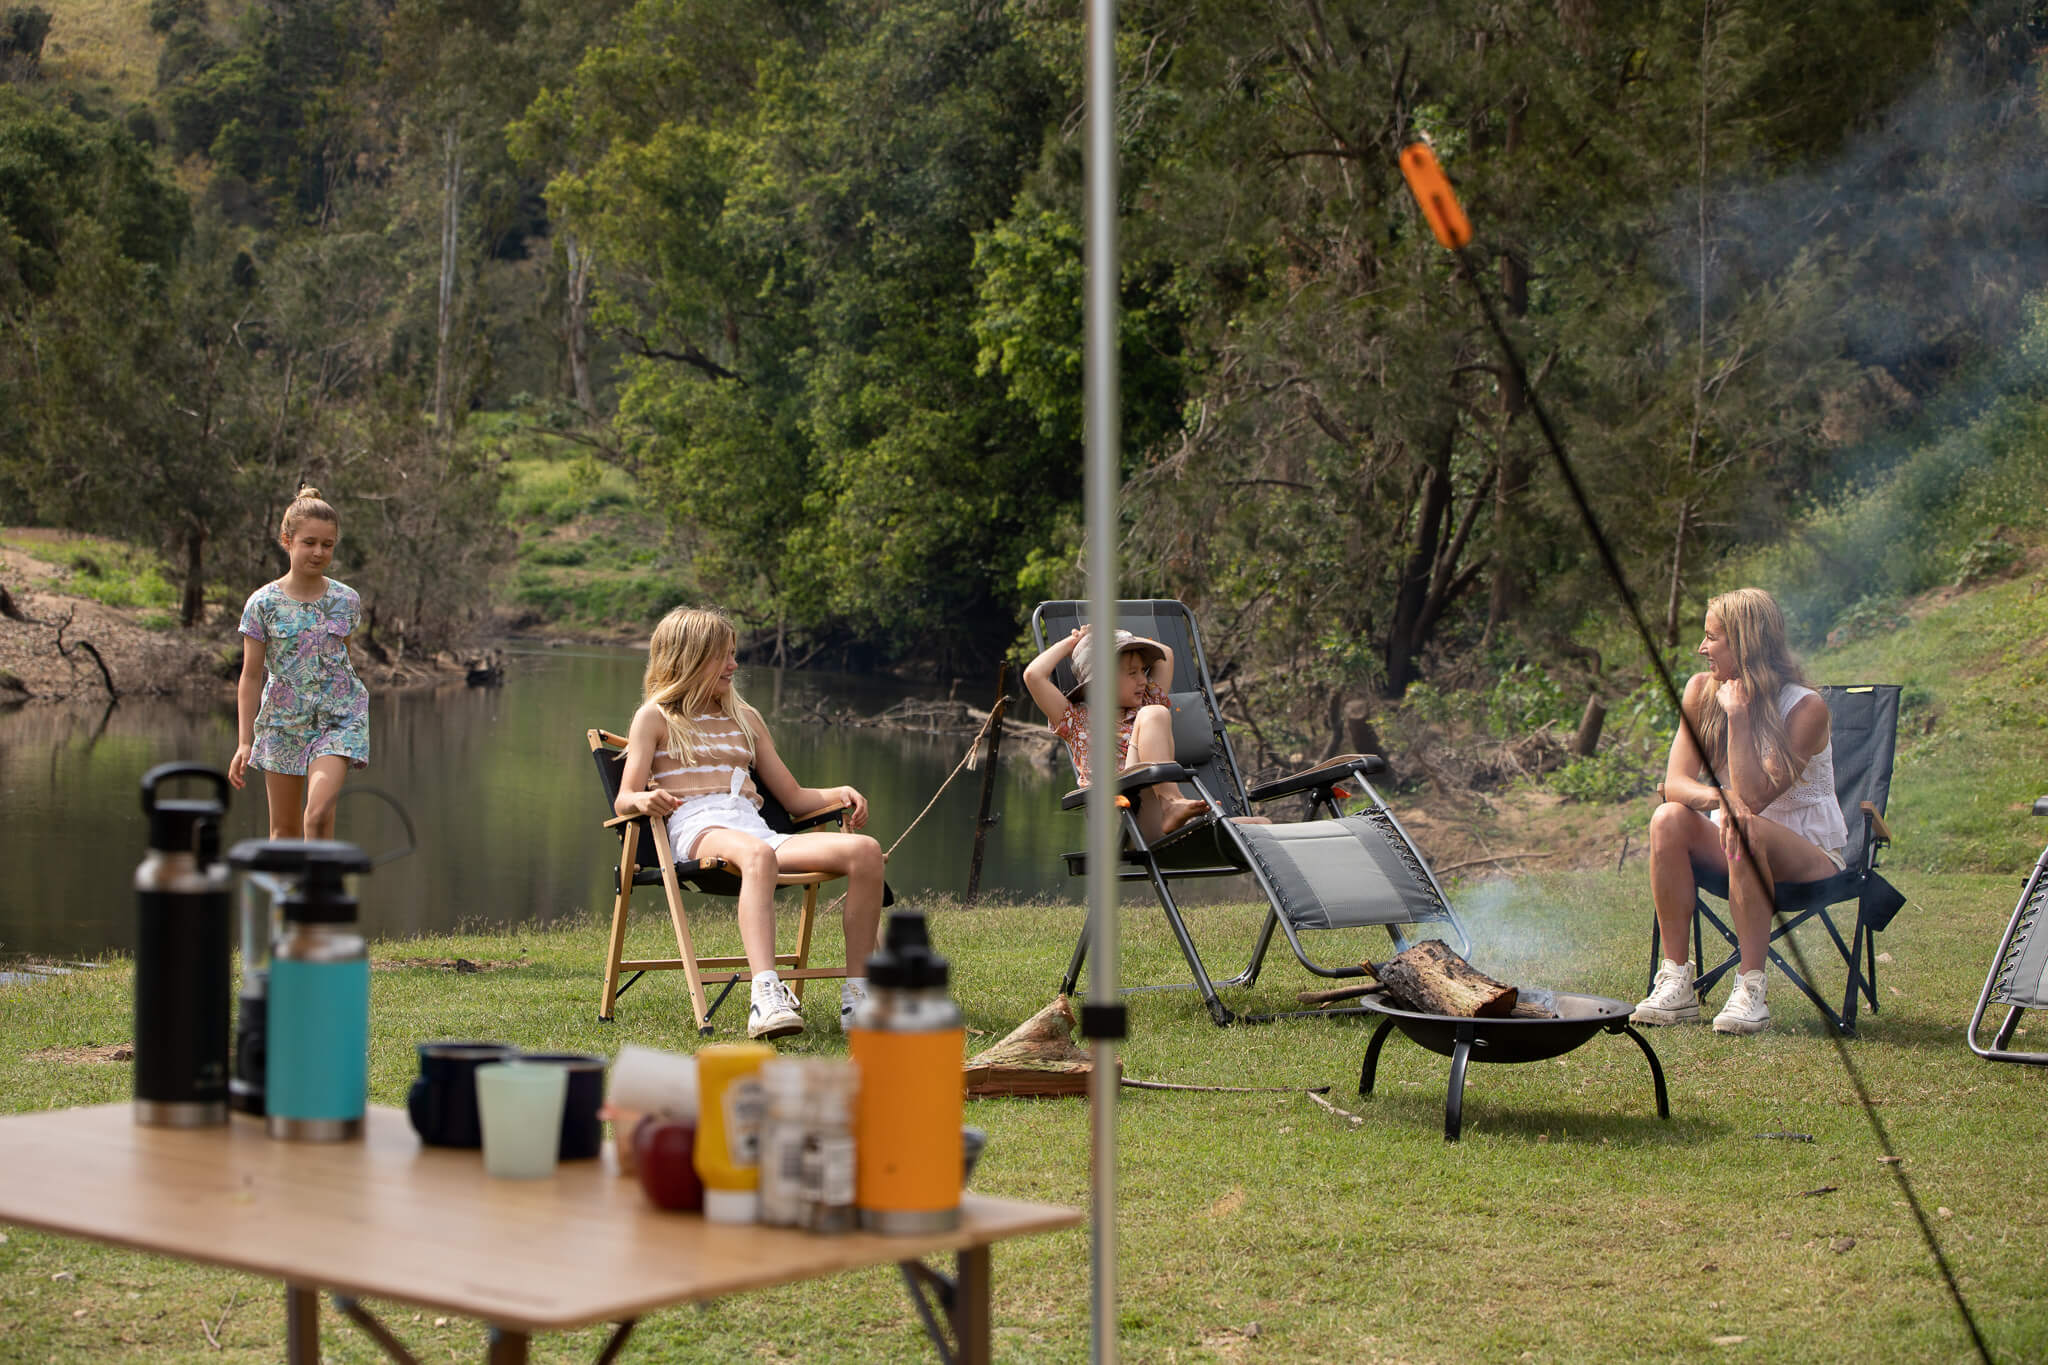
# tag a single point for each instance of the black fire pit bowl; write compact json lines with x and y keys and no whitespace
{"x":1579,"y":1017}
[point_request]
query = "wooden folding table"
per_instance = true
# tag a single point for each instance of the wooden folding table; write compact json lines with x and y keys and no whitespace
{"x":386,"y":1218}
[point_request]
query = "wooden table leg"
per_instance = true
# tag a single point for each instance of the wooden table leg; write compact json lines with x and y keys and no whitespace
{"x":301,"y":1325}
{"x":971,"y":1306}
{"x":507,"y":1347}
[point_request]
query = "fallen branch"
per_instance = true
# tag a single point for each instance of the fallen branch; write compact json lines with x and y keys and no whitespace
{"x":113,"y":694}
{"x":1312,"y":1091}
{"x":1331,"y":997}
{"x":1356,"y":1119}
{"x":1498,"y":858}
{"x":212,"y":1337}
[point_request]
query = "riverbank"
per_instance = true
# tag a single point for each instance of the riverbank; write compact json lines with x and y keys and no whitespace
{"x":1554,"y":1230}
{"x":66,"y":645}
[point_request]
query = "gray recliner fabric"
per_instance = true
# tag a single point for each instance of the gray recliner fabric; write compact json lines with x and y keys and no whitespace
{"x":1344,"y":873}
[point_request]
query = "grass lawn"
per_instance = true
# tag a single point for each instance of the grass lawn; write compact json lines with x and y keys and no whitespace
{"x":1569,"y":1224}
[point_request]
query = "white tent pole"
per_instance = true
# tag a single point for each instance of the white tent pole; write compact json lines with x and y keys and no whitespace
{"x":1101,"y":431}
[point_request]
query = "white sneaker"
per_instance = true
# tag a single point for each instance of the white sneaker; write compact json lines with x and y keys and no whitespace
{"x":774,"y":1013}
{"x":1671,"y":1000}
{"x":852,"y":991}
{"x":1745,"y":1011}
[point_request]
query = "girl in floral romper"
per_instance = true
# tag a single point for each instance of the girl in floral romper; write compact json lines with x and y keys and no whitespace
{"x":1144,"y":728}
{"x":313,"y":723}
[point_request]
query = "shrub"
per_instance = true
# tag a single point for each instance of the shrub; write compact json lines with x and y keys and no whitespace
{"x":1868,"y":617}
{"x":1986,"y":557}
{"x":543,"y":552}
{"x":22,"y":31}
{"x":1611,"y":775}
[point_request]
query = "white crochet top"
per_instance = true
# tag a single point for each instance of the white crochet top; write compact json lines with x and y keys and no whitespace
{"x":1808,"y":807}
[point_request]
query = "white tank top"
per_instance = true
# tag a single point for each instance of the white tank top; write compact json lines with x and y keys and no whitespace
{"x":1808,"y":807}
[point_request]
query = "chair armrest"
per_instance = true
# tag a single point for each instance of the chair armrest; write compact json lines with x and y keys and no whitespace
{"x":1130,"y":780}
{"x":1884,"y":832}
{"x":1323,"y":775}
{"x":812,"y":819}
{"x":2041,"y":805}
{"x":618,"y":820}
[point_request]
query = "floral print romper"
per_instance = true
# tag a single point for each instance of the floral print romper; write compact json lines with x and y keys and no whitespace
{"x":313,"y":702}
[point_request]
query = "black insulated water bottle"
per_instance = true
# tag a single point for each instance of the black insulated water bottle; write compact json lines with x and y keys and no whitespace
{"x":182,"y":966}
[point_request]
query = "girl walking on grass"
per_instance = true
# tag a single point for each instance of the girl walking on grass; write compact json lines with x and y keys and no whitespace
{"x":691,"y":756}
{"x":307,"y":722}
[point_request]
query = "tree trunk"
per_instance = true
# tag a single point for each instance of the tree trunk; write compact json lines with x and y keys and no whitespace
{"x":192,"y":600}
{"x":581,"y":259}
{"x":1588,"y":737}
{"x":1677,"y":572}
{"x":451,"y":213}
{"x":1404,"y":638}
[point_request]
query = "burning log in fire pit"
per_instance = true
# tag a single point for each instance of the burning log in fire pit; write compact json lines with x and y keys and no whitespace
{"x":1429,"y":978}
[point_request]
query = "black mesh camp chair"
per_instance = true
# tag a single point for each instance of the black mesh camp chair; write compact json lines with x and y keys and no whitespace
{"x":711,"y":877}
{"x":2019,"y":970}
{"x":1334,"y":871}
{"x":1864,"y":729}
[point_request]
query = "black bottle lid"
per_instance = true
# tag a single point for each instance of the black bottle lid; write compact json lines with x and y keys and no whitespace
{"x":318,"y":894}
{"x":905,"y":961}
{"x":185,"y":826}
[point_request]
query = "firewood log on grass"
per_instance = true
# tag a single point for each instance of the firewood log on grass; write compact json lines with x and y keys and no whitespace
{"x":1038,"y":1057}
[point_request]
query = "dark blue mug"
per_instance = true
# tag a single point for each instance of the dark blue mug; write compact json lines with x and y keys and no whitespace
{"x":442,"y":1101}
{"x":582,"y":1130}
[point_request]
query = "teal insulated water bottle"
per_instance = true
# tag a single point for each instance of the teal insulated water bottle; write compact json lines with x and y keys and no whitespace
{"x":317,"y":1026}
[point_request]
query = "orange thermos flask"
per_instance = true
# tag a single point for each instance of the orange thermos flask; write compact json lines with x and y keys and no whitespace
{"x":907,"y":1038}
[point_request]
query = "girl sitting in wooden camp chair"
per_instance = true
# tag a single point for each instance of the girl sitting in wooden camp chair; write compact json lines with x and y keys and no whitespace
{"x":691,"y":756}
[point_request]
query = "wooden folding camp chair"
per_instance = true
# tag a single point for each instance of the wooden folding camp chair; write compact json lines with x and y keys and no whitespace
{"x":709,"y":876}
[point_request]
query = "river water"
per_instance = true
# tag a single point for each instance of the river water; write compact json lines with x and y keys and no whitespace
{"x":501,"y":789}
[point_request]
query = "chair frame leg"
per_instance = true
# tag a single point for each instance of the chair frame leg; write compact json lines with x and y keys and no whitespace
{"x":1862,"y":944}
{"x":804,"y":925}
{"x":1999,"y":1049}
{"x":686,"y":950}
{"x":621,"y":905}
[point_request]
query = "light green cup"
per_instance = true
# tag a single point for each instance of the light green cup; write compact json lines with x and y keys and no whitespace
{"x":521,"y":1109}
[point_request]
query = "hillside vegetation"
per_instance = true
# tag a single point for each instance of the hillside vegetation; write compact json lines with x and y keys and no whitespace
{"x":800,"y":286}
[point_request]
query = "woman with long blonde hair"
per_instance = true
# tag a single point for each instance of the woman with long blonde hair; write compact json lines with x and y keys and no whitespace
{"x":691,"y":754}
{"x":1767,"y":733}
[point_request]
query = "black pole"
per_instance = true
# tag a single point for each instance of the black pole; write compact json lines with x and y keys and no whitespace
{"x":988,"y":778}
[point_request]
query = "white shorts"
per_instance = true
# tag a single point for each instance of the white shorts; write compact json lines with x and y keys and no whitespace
{"x":698,"y":816}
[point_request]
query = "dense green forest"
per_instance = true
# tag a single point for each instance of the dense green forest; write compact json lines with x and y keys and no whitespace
{"x":802,"y":279}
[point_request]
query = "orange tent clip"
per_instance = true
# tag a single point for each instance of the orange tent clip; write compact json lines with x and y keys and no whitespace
{"x":1433,"y":194}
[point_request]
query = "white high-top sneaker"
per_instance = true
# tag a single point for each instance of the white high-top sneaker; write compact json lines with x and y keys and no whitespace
{"x":1671,"y":1000}
{"x":774,"y":1013}
{"x":852,"y":991}
{"x":1745,"y":1011}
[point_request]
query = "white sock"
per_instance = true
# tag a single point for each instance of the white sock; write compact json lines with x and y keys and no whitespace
{"x":851,"y":984}
{"x":764,"y":978}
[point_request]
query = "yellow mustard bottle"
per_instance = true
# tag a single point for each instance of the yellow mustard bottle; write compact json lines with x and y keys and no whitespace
{"x":730,"y":1107}
{"x":907,"y":1038}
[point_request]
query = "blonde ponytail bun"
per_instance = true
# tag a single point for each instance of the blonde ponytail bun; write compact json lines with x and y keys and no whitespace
{"x":307,"y":505}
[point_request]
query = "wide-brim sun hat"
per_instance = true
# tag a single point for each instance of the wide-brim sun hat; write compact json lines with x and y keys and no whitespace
{"x":1151,"y":651}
